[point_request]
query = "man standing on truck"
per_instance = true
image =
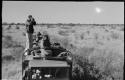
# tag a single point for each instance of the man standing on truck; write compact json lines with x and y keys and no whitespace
{"x":30,"y":22}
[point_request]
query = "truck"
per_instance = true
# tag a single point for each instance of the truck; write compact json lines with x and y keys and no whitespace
{"x":47,"y":68}
{"x":54,"y":68}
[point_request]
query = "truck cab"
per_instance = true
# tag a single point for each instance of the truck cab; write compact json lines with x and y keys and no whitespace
{"x":48,"y":70}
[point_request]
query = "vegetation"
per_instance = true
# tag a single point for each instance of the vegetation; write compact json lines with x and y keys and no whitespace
{"x":17,"y":27}
{"x":90,"y":62}
{"x":63,"y":33}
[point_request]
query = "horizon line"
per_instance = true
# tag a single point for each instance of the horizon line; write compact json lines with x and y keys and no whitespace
{"x":64,"y":23}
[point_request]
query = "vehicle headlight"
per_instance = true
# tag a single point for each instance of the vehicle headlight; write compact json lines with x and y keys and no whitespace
{"x":47,"y":75}
{"x":37,"y":71}
{"x":69,"y":58}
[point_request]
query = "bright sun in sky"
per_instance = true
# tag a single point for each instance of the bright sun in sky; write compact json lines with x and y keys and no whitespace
{"x":64,"y":12}
{"x":98,"y":10}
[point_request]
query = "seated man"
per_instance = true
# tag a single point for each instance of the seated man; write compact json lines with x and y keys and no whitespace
{"x":38,"y":37}
{"x":41,"y":46}
{"x":46,"y":43}
{"x":57,"y":49}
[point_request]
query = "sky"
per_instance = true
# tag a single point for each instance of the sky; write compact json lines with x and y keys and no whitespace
{"x":64,"y":12}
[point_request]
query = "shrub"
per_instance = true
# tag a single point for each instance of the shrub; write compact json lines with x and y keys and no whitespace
{"x":17,"y":53}
{"x":17,"y":27}
{"x":4,"y":23}
{"x":63,"y":41}
{"x":113,"y":26}
{"x":71,"y":24}
{"x":104,"y":60}
{"x":122,"y":28}
{"x":96,"y":36}
{"x":9,"y":27}
{"x":66,"y":27}
{"x":85,"y":51}
{"x":73,"y":31}
{"x":82,"y":36}
{"x":7,"y":37}
{"x":51,"y":26}
{"x":106,"y":30}
{"x":63,"y":33}
{"x":12,"y":71}
{"x":7,"y":42}
{"x":24,"y":34}
{"x":88,"y":32}
{"x":84,"y":70}
{"x":91,"y":63}
{"x":115,"y":35}
{"x":100,"y":66}
{"x":7,"y":58}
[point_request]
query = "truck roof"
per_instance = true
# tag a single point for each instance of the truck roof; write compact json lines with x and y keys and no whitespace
{"x":48,"y":63}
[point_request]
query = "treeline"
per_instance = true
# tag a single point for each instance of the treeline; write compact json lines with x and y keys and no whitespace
{"x":66,"y":24}
{"x":5,"y":23}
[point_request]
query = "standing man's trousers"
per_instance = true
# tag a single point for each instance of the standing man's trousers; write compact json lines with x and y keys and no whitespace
{"x":29,"y":40}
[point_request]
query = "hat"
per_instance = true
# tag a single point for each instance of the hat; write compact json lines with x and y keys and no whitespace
{"x":38,"y":34}
{"x":30,"y":16}
{"x":34,"y":42}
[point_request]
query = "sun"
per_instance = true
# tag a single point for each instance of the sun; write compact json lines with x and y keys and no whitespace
{"x":98,"y":10}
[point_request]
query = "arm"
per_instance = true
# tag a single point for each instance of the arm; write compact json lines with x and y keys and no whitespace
{"x":33,"y":21}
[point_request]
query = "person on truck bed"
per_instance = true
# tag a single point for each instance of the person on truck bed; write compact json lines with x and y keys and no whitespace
{"x":38,"y":37}
{"x":57,"y":49}
{"x":46,"y":38}
{"x":45,"y":44}
{"x":30,"y":22}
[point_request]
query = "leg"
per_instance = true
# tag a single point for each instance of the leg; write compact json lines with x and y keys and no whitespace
{"x":30,"y":40}
{"x":27,"y":41}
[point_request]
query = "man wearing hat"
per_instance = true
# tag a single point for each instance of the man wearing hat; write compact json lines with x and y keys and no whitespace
{"x":30,"y":22}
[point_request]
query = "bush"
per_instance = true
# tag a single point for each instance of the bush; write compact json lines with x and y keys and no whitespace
{"x":17,"y":53}
{"x":7,"y":42}
{"x":85,"y":51}
{"x":91,"y":63}
{"x":4,"y":23}
{"x":51,"y":26}
{"x":109,"y":63}
{"x":9,"y":27}
{"x":63,"y":33}
{"x":63,"y":41}
{"x":24,"y":34}
{"x":66,"y":27}
{"x":8,"y":58}
{"x":17,"y":27}
{"x":115,"y":35}
{"x":122,"y":28}
{"x":84,"y":70}
{"x":71,"y":24}
{"x":82,"y":36}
